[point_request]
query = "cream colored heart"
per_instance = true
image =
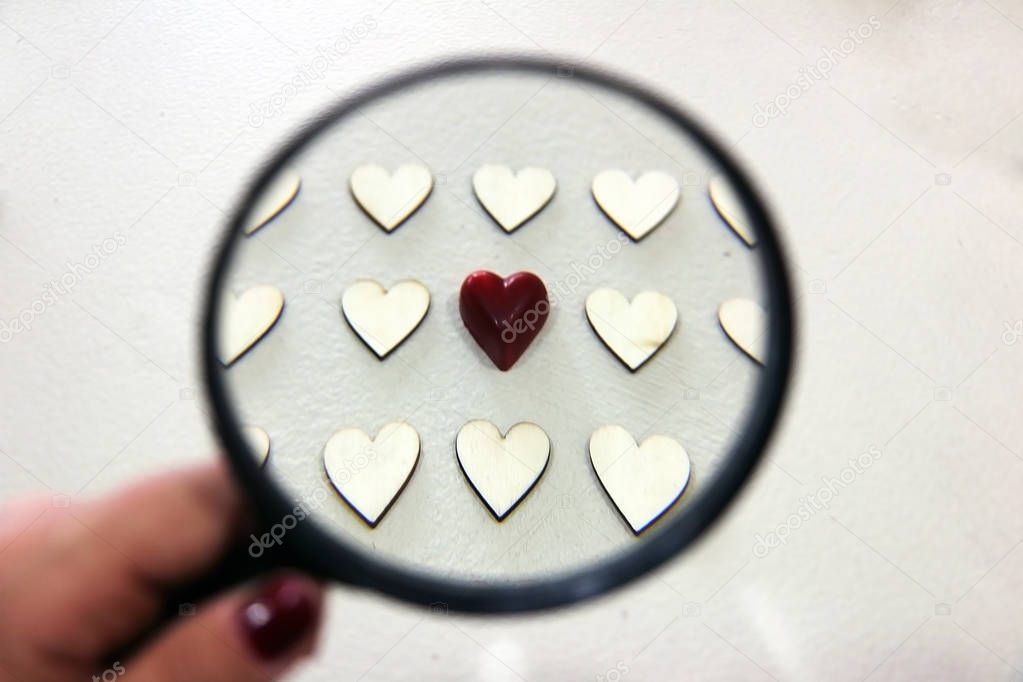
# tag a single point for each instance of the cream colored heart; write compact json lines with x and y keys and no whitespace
{"x":746,"y":325}
{"x":502,"y":469}
{"x":370,"y":474}
{"x":636,"y":207}
{"x":643,"y":481}
{"x":634,"y":330}
{"x":246,"y":319}
{"x":390,"y":199}
{"x":259,"y":443}
{"x":276,"y":197}
{"x":382,"y":318}
{"x":512,"y":199}
{"x":731,"y":210}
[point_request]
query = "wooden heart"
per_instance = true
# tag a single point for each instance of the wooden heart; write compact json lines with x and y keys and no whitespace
{"x":502,"y":469}
{"x":276,"y":197}
{"x":643,"y":481}
{"x":390,"y":199}
{"x":632,"y":331}
{"x":731,"y":210}
{"x":384,"y":318}
{"x":745,"y":323}
{"x":636,"y":207}
{"x":512,"y":199}
{"x":370,"y":474}
{"x":246,"y":318}
{"x":258,"y":442}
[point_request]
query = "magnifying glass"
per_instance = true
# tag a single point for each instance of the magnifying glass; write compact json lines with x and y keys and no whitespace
{"x":498,"y":334}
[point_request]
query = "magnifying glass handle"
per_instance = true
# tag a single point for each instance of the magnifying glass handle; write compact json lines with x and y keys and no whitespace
{"x":236,"y":566}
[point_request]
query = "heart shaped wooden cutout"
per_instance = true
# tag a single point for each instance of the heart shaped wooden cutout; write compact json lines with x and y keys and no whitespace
{"x":246,"y":319}
{"x":502,"y":469}
{"x":634,"y":330}
{"x":276,"y":197}
{"x":390,"y":199}
{"x":370,"y":474}
{"x":384,"y":318}
{"x":731,"y":210}
{"x":643,"y":481}
{"x":259,"y":443}
{"x":512,"y":199}
{"x":636,"y":207}
{"x":745,"y":323}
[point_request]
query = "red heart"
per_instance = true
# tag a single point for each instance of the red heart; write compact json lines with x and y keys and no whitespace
{"x":504,"y":315}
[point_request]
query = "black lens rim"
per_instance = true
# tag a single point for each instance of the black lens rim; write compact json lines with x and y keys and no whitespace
{"x":318,"y":552}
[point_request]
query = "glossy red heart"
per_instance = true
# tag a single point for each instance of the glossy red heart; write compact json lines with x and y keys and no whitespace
{"x":504,"y":315}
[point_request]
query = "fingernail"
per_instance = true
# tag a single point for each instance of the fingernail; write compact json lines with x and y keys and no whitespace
{"x":280,"y":615}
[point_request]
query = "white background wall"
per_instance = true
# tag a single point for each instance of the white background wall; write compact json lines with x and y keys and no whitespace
{"x":896,"y":179}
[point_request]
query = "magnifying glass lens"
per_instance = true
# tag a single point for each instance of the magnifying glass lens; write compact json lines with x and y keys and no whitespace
{"x":500,"y":326}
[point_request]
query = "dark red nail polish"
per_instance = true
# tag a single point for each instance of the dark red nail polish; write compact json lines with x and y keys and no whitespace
{"x":280,"y":615}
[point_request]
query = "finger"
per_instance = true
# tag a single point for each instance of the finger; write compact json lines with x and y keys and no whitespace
{"x":172,"y":527}
{"x":20,"y":514}
{"x":86,"y":578}
{"x":251,"y":634}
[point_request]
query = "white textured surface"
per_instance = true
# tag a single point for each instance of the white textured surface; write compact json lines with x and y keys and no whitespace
{"x":897,"y":181}
{"x":312,"y":376}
